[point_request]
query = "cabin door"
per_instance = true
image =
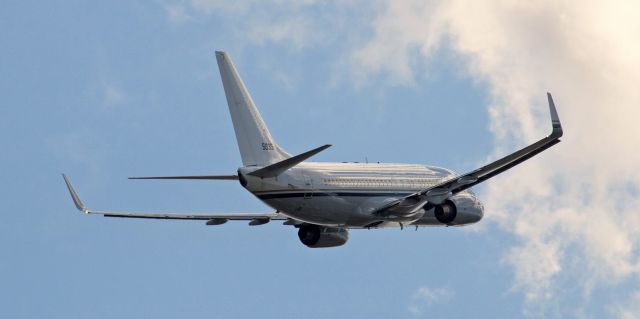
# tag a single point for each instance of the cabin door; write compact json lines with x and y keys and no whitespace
{"x":308,"y":187}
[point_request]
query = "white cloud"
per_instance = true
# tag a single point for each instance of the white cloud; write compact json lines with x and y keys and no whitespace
{"x":630,"y":310}
{"x":574,"y":209}
{"x":425,"y":297}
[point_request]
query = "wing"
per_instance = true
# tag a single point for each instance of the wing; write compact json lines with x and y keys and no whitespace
{"x":438,"y":193}
{"x":460,"y":183}
{"x":212,"y":219}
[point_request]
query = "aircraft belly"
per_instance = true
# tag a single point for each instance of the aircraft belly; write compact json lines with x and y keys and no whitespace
{"x":350,"y":211}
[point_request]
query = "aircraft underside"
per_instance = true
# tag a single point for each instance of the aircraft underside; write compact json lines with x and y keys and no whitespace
{"x":355,"y":211}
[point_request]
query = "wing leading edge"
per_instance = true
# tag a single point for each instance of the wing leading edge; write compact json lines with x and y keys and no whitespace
{"x":211,"y":218}
{"x":439,"y":193}
{"x":460,"y":183}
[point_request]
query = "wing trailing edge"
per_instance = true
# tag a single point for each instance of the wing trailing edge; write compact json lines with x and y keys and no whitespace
{"x":211,"y":218}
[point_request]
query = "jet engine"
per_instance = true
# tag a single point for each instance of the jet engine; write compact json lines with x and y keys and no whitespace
{"x":458,"y":210}
{"x":446,"y":212}
{"x":315,"y":236}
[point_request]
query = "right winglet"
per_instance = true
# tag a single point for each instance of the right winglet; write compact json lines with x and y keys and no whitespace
{"x":436,"y":194}
{"x":74,"y":196}
{"x":555,"y":120}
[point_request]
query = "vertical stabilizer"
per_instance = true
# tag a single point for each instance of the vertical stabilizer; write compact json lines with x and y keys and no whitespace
{"x":257,"y":147}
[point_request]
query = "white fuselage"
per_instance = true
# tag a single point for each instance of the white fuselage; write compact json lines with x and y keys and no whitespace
{"x":347,"y":194}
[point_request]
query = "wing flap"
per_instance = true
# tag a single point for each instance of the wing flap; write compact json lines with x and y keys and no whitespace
{"x":196,"y":216}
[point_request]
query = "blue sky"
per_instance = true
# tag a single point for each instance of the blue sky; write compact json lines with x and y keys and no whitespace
{"x":102,"y":91}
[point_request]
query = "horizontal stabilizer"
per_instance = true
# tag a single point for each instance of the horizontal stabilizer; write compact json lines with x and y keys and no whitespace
{"x":276,"y":169}
{"x":208,"y":177}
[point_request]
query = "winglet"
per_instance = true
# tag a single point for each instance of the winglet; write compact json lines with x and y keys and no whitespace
{"x":555,"y":120}
{"x":74,"y":195}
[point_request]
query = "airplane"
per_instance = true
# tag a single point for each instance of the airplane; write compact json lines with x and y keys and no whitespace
{"x":325,"y":200}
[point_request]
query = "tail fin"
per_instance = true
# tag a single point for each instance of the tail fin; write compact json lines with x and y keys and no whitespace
{"x":257,"y":147}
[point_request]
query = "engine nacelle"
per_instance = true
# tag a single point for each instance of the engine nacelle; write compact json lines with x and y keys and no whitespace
{"x":461,"y":209}
{"x":315,"y":236}
{"x":446,"y":212}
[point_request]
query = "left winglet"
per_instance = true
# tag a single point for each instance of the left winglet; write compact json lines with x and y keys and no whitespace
{"x":278,"y":168}
{"x":74,"y":196}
